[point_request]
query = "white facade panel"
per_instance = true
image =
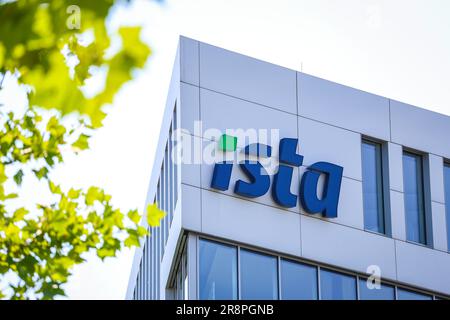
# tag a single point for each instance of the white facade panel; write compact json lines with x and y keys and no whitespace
{"x":191,"y":165}
{"x":408,"y":129}
{"x":439,"y":226}
{"x":192,"y":210}
{"x":189,"y":61}
{"x":395,"y":153}
{"x":247,"y":78}
{"x":190,"y":100}
{"x":398,"y":219}
{"x":346,"y":247}
{"x":343,"y":106}
{"x":322,"y":142}
{"x":250,"y":223}
{"x":220,"y":112}
{"x":423,"y":267}
{"x":436,"y":165}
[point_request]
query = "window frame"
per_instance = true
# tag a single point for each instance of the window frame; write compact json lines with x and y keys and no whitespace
{"x":280,"y":275}
{"x":354,"y":277}
{"x":276,"y":259}
{"x":412,"y":291}
{"x":383,"y":187}
{"x":318,"y":265}
{"x":223,"y":244}
{"x":447,"y":205}
{"x":422,"y":190}
{"x":382,"y":283}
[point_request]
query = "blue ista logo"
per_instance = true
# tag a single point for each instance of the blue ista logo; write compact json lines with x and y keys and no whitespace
{"x":258,"y":182}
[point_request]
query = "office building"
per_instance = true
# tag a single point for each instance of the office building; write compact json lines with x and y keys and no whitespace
{"x":234,"y":233}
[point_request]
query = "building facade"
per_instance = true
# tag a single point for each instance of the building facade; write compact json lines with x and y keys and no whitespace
{"x":247,"y":236}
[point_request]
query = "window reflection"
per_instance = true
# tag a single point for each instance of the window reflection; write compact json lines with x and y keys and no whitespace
{"x":403,"y":294}
{"x":259,"y":276}
{"x":447,"y":200}
{"x":372,"y":187}
{"x":217,"y":271}
{"x":414,"y":197}
{"x":384,"y":292}
{"x":298,"y":281}
{"x":337,"y":286}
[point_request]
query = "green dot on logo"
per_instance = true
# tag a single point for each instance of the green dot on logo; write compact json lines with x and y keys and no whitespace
{"x":227,"y":143}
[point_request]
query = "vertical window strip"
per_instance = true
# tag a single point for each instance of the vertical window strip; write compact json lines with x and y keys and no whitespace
{"x":166,"y":179}
{"x":144,"y":271}
{"x":373,"y":187}
{"x":148,"y":271}
{"x":171,"y":183}
{"x":164,"y":200}
{"x":414,"y":197}
{"x":175,"y":166}
{"x":139,"y":282}
{"x":447,"y":200}
{"x":338,"y":283}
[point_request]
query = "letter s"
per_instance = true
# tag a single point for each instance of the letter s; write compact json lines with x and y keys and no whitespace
{"x":259,"y":180}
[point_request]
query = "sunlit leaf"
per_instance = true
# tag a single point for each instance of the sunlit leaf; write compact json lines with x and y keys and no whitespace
{"x":18,"y":177}
{"x":154,"y":215}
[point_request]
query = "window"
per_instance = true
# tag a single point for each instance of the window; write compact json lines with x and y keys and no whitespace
{"x":217,"y":271}
{"x":181,"y":279}
{"x":259,"y":276}
{"x":384,"y":292}
{"x":447,"y":200}
{"x":372,"y":175}
{"x":337,"y":286}
{"x":403,"y":294}
{"x":298,"y":281}
{"x":262,"y":276}
{"x":414,"y":197}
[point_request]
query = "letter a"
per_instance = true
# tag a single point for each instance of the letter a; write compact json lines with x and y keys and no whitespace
{"x":327,"y":204}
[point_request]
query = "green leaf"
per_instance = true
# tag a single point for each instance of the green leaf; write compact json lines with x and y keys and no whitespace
{"x":93,"y":194}
{"x":40,"y":247}
{"x":81,"y":143}
{"x":41,"y":173}
{"x":73,"y":194}
{"x":154,"y":215}
{"x":18,"y":177}
{"x":55,"y":189}
{"x":133,"y":239}
{"x":134,"y":216}
{"x":106,"y":252}
{"x":20,"y":213}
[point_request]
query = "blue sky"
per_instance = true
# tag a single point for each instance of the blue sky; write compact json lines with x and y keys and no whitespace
{"x":398,"y":49}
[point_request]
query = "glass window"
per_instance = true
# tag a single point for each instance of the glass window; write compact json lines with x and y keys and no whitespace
{"x":259,"y":276}
{"x":337,"y":286}
{"x":169,"y":160}
{"x":185,"y":277}
{"x":447,"y":200}
{"x":414,"y":197}
{"x":403,"y":294}
{"x":384,"y":292}
{"x":175,"y":127}
{"x":217,"y":271}
{"x":372,"y":187}
{"x":298,"y":281}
